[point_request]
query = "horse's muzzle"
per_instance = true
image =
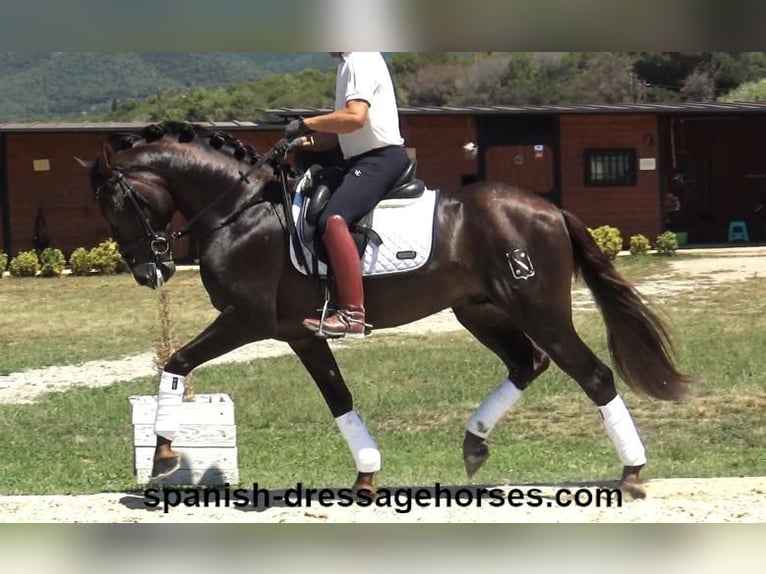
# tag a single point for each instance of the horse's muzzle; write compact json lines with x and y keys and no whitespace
{"x":153,"y":275}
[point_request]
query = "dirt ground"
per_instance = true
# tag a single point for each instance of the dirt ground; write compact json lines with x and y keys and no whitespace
{"x":678,"y":500}
{"x":736,"y":499}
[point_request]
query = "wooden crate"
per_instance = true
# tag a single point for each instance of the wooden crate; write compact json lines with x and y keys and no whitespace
{"x":207,"y":441}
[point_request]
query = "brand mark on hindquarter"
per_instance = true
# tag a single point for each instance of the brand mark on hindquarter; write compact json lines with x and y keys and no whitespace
{"x":520,"y":264}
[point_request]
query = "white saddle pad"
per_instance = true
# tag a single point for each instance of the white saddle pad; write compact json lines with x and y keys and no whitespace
{"x":406,"y":227}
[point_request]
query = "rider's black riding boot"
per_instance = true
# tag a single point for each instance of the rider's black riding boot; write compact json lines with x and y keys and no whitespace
{"x":344,"y":260}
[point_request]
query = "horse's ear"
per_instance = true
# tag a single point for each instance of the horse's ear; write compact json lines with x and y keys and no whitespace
{"x":107,"y":157}
{"x":86,"y":163}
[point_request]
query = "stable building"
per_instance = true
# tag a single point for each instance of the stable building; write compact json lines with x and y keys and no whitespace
{"x":693,"y":168}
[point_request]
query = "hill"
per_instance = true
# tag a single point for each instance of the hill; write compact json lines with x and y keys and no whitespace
{"x":38,"y":86}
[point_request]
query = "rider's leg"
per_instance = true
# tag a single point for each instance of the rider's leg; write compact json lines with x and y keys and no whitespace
{"x":344,"y":260}
{"x":367,"y":180}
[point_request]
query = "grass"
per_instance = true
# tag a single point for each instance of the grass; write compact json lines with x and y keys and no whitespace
{"x":415,"y":394}
{"x":67,"y":320}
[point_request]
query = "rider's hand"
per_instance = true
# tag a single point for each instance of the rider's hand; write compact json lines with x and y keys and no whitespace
{"x":296,"y":129}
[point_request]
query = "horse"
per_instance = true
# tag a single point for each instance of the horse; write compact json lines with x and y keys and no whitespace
{"x":504,"y":260}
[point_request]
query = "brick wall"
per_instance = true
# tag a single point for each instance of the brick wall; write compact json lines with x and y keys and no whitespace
{"x":634,"y":209}
{"x":62,"y":192}
{"x":439,"y":143}
{"x":73,"y":219}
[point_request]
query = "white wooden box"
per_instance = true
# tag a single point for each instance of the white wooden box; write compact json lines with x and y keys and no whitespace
{"x":207,"y":441}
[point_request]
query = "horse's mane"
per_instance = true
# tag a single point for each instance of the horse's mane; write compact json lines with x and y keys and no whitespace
{"x":186,"y":132}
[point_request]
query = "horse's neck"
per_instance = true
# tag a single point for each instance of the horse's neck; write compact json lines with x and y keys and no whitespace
{"x":209,"y":201}
{"x":207,"y":187}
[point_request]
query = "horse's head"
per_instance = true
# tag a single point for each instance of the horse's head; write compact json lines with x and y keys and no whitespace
{"x":136,"y":204}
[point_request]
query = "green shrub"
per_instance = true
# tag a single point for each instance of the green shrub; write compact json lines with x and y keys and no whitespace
{"x":25,"y":264}
{"x":608,"y":240}
{"x":3,"y":262}
{"x":106,"y":258}
{"x":666,"y":243}
{"x":80,"y":262}
{"x":53,"y":262}
{"x":639,"y":244}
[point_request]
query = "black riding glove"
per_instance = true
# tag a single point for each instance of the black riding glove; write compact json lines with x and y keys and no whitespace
{"x":296,"y":129}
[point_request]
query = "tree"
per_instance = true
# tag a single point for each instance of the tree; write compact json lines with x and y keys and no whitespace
{"x":402,"y":64}
{"x":537,"y":78}
{"x":482,"y":82}
{"x":699,"y":86}
{"x":433,"y":85}
{"x":667,"y":72}
{"x":748,"y":92}
{"x":604,"y":78}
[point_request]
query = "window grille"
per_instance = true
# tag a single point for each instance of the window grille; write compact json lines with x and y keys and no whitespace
{"x":610,"y":167}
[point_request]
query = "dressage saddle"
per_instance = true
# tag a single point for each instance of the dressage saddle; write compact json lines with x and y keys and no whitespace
{"x":326,"y":180}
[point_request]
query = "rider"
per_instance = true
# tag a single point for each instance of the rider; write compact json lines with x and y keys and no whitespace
{"x":366,"y":121}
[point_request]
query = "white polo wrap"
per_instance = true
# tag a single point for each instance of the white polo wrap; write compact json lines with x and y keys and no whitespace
{"x":484,"y":418}
{"x":169,"y":400}
{"x":620,"y":428}
{"x":363,"y":447}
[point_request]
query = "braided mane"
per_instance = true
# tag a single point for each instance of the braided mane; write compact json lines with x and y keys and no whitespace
{"x":185,"y":132}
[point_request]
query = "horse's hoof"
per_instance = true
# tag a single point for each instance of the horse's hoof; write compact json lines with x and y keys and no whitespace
{"x":631,"y":483}
{"x":164,"y":467}
{"x":634,"y":488}
{"x":475,"y":453}
{"x":363,"y":487}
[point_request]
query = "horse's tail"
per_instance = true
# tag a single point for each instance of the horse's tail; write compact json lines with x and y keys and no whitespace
{"x":639,"y":342}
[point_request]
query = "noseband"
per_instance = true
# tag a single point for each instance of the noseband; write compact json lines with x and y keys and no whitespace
{"x":158,"y":242}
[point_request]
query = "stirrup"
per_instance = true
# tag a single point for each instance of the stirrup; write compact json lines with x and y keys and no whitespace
{"x":346,"y":318}
{"x":323,"y":315}
{"x":345,"y":326}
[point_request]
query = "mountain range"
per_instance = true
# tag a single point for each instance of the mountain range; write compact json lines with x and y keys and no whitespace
{"x":38,"y":86}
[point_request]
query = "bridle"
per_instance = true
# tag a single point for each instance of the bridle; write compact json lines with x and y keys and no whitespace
{"x":159,"y":243}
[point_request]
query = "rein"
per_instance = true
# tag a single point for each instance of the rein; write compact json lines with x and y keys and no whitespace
{"x":282,"y":146}
{"x":160,"y":244}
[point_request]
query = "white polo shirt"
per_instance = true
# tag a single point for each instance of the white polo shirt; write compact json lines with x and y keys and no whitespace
{"x":365,"y":76}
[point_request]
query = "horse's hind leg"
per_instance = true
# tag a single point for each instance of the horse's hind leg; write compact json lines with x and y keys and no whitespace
{"x":556,"y":334}
{"x":317,"y":358}
{"x":524,"y":360}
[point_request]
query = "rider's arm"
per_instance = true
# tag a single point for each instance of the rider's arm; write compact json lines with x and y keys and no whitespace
{"x":319,"y":141}
{"x":342,"y":121}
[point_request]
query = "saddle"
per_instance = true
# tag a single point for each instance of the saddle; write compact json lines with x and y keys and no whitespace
{"x":318,"y":185}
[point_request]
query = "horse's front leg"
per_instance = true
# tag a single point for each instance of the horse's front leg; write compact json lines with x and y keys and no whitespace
{"x":317,"y":358}
{"x":230,"y":330}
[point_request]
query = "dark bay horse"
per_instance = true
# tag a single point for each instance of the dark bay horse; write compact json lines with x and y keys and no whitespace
{"x":239,"y":226}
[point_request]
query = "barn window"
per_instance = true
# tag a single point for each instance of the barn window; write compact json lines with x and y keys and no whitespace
{"x":610,"y":167}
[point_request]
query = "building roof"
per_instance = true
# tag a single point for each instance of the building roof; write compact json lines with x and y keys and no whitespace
{"x":118,"y":126}
{"x":687,"y":108}
{"x":627,"y":108}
